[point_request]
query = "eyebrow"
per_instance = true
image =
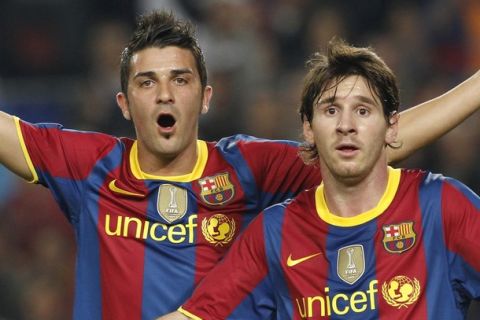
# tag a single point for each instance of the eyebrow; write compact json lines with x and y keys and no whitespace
{"x":332,"y":99}
{"x":174,"y":72}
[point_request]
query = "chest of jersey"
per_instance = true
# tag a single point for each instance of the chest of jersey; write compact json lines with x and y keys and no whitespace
{"x":362,"y":271}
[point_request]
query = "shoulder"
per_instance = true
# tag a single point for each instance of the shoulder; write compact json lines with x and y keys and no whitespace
{"x":58,"y":140}
{"x":58,"y":130}
{"x":440,"y":186}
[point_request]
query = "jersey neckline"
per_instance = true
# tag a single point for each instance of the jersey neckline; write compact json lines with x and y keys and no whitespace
{"x":387,"y":198}
{"x":195,"y":174}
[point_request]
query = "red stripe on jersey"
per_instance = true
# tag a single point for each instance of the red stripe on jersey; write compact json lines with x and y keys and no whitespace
{"x":393,"y":267}
{"x":305,"y":267}
{"x":122,"y":251}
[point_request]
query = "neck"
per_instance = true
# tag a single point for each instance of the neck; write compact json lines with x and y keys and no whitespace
{"x":167,"y":165}
{"x":349,"y":198}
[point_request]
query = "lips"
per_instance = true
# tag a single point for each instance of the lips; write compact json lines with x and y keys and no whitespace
{"x":347,"y":149}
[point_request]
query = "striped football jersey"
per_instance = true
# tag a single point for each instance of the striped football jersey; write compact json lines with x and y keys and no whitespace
{"x":416,"y":255}
{"x":144,"y":241}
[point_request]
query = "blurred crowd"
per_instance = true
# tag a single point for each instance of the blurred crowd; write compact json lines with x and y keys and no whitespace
{"x":59,"y":63}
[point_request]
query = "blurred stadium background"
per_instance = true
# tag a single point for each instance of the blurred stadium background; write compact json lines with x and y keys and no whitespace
{"x":59,"y":63}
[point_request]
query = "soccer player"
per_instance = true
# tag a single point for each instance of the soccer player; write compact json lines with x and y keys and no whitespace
{"x":370,"y":242}
{"x":153,"y":215}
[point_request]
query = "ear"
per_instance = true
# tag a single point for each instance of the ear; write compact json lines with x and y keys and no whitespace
{"x":207,"y":96}
{"x":308,"y":132}
{"x":392,"y":130}
{"x":122,"y":102}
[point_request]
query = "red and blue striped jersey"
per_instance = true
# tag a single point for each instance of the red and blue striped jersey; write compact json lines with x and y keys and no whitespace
{"x":414,"y":256}
{"x":144,"y":241}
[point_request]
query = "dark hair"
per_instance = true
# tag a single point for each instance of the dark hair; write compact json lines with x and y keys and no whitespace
{"x":341,"y":61}
{"x":161,"y":29}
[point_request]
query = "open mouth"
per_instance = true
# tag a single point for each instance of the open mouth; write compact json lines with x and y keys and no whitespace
{"x":347,"y":148}
{"x":166,"y":121}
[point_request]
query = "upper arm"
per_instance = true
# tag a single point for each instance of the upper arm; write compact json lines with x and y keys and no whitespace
{"x":461,"y":221}
{"x":11,"y":151}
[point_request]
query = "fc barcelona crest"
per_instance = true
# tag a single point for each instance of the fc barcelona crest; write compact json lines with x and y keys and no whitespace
{"x":171,"y":202}
{"x":398,"y":238}
{"x":216,"y":190}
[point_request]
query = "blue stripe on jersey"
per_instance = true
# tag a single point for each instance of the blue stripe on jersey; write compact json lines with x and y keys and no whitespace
{"x":89,"y":306}
{"x":430,"y":199}
{"x":466,"y":191}
{"x":341,"y":237}
{"x":65,"y":192}
{"x":260,"y":299}
{"x":88,"y":253}
{"x":166,"y":263}
{"x":273,"y":226}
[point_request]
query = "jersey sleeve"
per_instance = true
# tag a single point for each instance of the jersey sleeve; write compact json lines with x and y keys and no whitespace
{"x":62,"y":159}
{"x":238,"y":287}
{"x":277,"y":169}
{"x":461,"y":221}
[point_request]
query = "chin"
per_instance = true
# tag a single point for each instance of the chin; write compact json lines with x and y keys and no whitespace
{"x":350,"y":174}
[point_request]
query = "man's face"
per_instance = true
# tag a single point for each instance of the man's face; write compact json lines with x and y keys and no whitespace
{"x":349,"y":130}
{"x":165,"y":99}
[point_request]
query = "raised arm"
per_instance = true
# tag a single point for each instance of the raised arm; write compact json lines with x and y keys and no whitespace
{"x":426,"y":122}
{"x":11,"y":154}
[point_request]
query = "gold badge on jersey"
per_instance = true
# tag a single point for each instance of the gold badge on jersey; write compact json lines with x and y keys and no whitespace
{"x":216,"y":190}
{"x":401,"y":291}
{"x":171,"y":202}
{"x":218,"y":229}
{"x":398,"y":238}
{"x":351,"y":263}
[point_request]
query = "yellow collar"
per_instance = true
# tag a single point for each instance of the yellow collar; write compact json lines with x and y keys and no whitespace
{"x":195,"y":174}
{"x":385,"y":201}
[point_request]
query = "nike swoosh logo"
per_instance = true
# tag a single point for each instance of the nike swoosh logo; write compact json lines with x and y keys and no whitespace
{"x":293,"y":262}
{"x":113,"y":187}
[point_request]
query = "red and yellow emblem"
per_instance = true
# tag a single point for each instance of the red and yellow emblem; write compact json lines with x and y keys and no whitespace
{"x":216,"y":190}
{"x":218,"y":229}
{"x":398,"y":238}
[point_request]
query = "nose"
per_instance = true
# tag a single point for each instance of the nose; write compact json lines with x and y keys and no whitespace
{"x":164,"y":93}
{"x":346,"y":123}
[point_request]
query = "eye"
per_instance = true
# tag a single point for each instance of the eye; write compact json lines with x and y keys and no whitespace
{"x":363,"y":111}
{"x":180,"y":81}
{"x":331,"y":110}
{"x":147,"y":83}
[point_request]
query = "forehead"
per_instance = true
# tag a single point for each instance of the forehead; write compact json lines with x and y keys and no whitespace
{"x":353,"y":86}
{"x":162,"y":60}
